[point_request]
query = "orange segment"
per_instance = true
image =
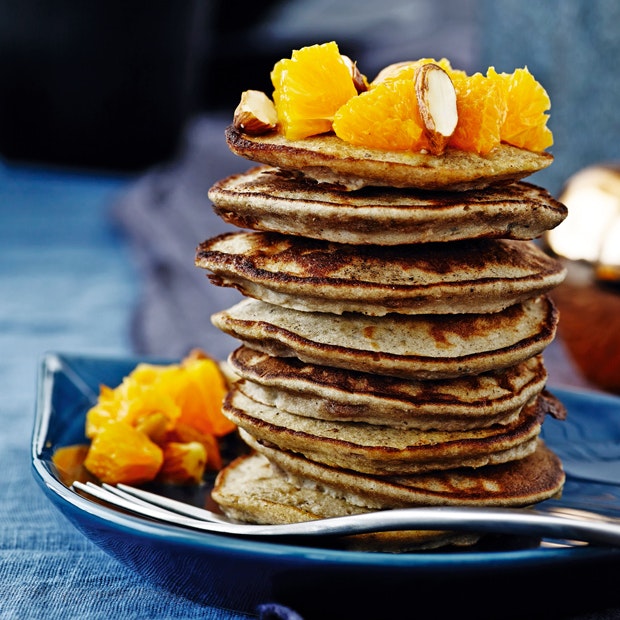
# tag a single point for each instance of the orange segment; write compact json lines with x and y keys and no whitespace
{"x":121,"y":453}
{"x":384,"y":117}
{"x":155,"y":406}
{"x":184,"y":463}
{"x":70,"y":462}
{"x":527,"y":101}
{"x":387,"y":116}
{"x":309,"y":88}
{"x":481,"y":108}
{"x":131,"y":402}
{"x":184,"y":434}
{"x":201,"y":397}
{"x":314,"y":93}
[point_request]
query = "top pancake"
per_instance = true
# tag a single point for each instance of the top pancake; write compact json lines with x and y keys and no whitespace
{"x":328,"y":159}
{"x":270,"y":199}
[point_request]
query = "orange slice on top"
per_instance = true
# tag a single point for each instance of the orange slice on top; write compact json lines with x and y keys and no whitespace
{"x":309,"y":88}
{"x":525,"y":123}
{"x":481,"y":108}
{"x":384,"y":117}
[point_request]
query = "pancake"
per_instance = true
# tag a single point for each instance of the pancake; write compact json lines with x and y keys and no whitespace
{"x":412,"y":347}
{"x":336,"y":394}
{"x":269,"y":199}
{"x":535,"y":478}
{"x":395,"y":314}
{"x":249,"y":490}
{"x":381,"y":450}
{"x":328,"y":159}
{"x":438,"y":278}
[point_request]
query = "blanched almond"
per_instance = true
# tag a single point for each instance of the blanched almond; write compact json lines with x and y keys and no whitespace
{"x":437,"y":104}
{"x":256,"y":114}
{"x":359,"y":79}
{"x":392,"y":70}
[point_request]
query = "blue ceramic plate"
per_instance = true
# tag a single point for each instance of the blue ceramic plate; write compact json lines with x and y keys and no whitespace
{"x":240,"y":574}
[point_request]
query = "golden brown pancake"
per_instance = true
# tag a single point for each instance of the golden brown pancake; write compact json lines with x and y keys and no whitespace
{"x":337,"y":394}
{"x":440,"y":278}
{"x":412,"y":347}
{"x":381,"y":450}
{"x":270,"y":199}
{"x":535,"y":478}
{"x":327,"y":158}
{"x":249,"y":490}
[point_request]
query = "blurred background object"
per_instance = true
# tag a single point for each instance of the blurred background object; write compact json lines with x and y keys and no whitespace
{"x":571,"y":47}
{"x":591,"y":232}
{"x":589,"y":299}
{"x":103,"y":83}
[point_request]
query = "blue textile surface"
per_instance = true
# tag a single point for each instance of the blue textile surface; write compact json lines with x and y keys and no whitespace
{"x":67,"y":283}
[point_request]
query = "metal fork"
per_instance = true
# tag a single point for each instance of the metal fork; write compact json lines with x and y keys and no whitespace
{"x":545,"y":521}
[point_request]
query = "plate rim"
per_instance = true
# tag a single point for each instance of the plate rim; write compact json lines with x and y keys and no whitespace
{"x":68,"y":500}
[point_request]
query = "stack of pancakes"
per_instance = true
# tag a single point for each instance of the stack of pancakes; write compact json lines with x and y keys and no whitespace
{"x":394,"y":318}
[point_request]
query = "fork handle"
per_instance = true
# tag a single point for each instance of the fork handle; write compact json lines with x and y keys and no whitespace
{"x":596,"y":529}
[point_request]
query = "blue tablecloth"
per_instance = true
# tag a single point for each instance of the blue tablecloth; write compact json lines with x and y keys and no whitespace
{"x":67,"y":283}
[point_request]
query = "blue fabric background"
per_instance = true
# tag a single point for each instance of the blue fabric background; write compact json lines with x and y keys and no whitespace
{"x":67,"y":283}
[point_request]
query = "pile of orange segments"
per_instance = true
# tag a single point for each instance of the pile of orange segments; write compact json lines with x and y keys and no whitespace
{"x":314,"y":93}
